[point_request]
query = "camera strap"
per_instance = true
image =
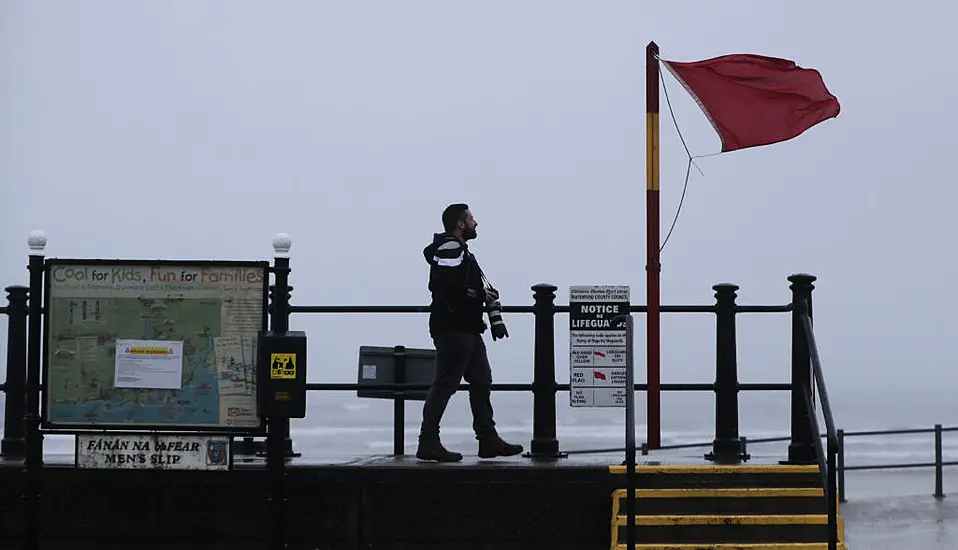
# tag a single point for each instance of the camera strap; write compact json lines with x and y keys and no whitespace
{"x":482,"y":276}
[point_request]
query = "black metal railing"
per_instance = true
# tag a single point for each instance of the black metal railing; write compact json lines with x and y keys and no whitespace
{"x":23,"y":437}
{"x":938,"y":464}
{"x":841,"y":467}
{"x":12,"y":445}
{"x":727,"y":445}
{"x":544,"y":444}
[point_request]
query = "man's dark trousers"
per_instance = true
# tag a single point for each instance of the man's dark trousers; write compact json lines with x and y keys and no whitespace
{"x":459,"y":355}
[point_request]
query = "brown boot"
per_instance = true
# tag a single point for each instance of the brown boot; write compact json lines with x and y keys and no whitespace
{"x":494,"y":446}
{"x":436,"y":452}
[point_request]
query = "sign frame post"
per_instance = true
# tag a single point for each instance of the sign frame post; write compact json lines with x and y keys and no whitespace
{"x":629,"y":427}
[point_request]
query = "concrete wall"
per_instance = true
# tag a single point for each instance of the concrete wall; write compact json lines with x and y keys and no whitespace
{"x":330,"y":507}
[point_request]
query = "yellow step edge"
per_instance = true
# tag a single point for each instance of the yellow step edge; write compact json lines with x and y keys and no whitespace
{"x":721,"y":469}
{"x":724,"y":492}
{"x":734,"y":546}
{"x":618,"y":507}
{"x":713,"y":519}
{"x":801,"y":519}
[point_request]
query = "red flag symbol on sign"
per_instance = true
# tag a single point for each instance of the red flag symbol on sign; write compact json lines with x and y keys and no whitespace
{"x":754,"y":100}
{"x":599,"y":353}
{"x":598,"y":375}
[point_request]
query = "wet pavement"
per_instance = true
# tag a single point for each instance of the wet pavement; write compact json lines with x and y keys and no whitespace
{"x":897,"y":509}
{"x":919,"y":522}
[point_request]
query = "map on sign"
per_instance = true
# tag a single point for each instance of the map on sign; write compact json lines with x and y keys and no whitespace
{"x":153,"y":344}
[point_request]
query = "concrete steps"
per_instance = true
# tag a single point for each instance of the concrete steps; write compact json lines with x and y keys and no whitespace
{"x":744,"y":507}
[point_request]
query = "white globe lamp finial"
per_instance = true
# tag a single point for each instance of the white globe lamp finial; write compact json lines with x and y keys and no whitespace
{"x":37,"y":242}
{"x":281,"y":245}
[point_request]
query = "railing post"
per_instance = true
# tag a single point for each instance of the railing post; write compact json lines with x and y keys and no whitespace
{"x":33,"y":462}
{"x":544,"y":444}
{"x":727,"y":446}
{"x":801,"y":450}
{"x":939,"y":481}
{"x":280,"y":293}
{"x":13,"y":444}
{"x":841,"y":465}
{"x":399,"y":402}
{"x":279,"y":446}
{"x":831,"y":492}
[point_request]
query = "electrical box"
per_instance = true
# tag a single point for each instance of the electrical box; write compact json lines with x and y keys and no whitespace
{"x":282,"y":380}
{"x":395,"y":365}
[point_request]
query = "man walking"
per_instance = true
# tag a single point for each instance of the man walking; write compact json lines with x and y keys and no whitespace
{"x":456,"y":327}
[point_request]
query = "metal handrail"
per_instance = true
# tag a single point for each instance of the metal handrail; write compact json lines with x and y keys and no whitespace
{"x":558,"y":308}
{"x":826,"y":457}
{"x":402,"y":388}
{"x":819,"y":376}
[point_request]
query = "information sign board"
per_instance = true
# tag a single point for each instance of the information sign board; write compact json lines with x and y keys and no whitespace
{"x":159,"y":345}
{"x":597,"y":348}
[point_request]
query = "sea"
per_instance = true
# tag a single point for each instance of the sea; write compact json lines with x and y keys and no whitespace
{"x":884,"y":509}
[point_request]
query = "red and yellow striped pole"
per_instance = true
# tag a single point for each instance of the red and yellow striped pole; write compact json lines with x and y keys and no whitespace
{"x":652,"y":266}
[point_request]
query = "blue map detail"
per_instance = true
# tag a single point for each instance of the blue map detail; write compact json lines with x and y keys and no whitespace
{"x":196,"y":403}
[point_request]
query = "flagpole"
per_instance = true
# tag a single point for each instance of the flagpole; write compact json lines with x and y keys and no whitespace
{"x":652,"y":266}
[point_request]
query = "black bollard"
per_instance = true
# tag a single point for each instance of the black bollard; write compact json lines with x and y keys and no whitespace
{"x":727,"y":447}
{"x":279,"y":446}
{"x":544,"y":445}
{"x":801,"y":450}
{"x":279,"y":323}
{"x":13,"y":444}
{"x":33,"y":462}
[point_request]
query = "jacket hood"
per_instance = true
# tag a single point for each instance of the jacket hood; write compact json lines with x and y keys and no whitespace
{"x":429,"y":252}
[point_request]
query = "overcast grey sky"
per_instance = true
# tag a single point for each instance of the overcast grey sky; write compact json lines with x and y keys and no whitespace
{"x":200,"y":129}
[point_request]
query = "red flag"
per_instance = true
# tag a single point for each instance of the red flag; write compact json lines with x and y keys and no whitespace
{"x":599,"y":375}
{"x":756,"y":100}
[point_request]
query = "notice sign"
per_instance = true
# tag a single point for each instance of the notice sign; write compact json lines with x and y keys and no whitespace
{"x":148,"y":364}
{"x":153,"y":451}
{"x":597,"y":348}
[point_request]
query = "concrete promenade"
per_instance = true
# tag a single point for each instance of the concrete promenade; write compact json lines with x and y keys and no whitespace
{"x":349,"y":502}
{"x":353,"y":502}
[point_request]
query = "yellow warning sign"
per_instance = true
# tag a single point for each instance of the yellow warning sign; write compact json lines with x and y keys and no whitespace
{"x":282,"y":365}
{"x":149,"y":350}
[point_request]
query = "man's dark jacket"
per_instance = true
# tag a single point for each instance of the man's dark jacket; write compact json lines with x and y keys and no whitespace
{"x":455,"y":281}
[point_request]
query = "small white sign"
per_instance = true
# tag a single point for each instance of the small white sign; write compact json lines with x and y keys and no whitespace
{"x":148,"y":364}
{"x":153,"y":451}
{"x":369,"y":372}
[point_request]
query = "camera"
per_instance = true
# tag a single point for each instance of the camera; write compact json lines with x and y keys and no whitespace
{"x":497,"y":325}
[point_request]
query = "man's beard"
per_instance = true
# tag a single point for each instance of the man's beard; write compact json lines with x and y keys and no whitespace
{"x":468,"y":234}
